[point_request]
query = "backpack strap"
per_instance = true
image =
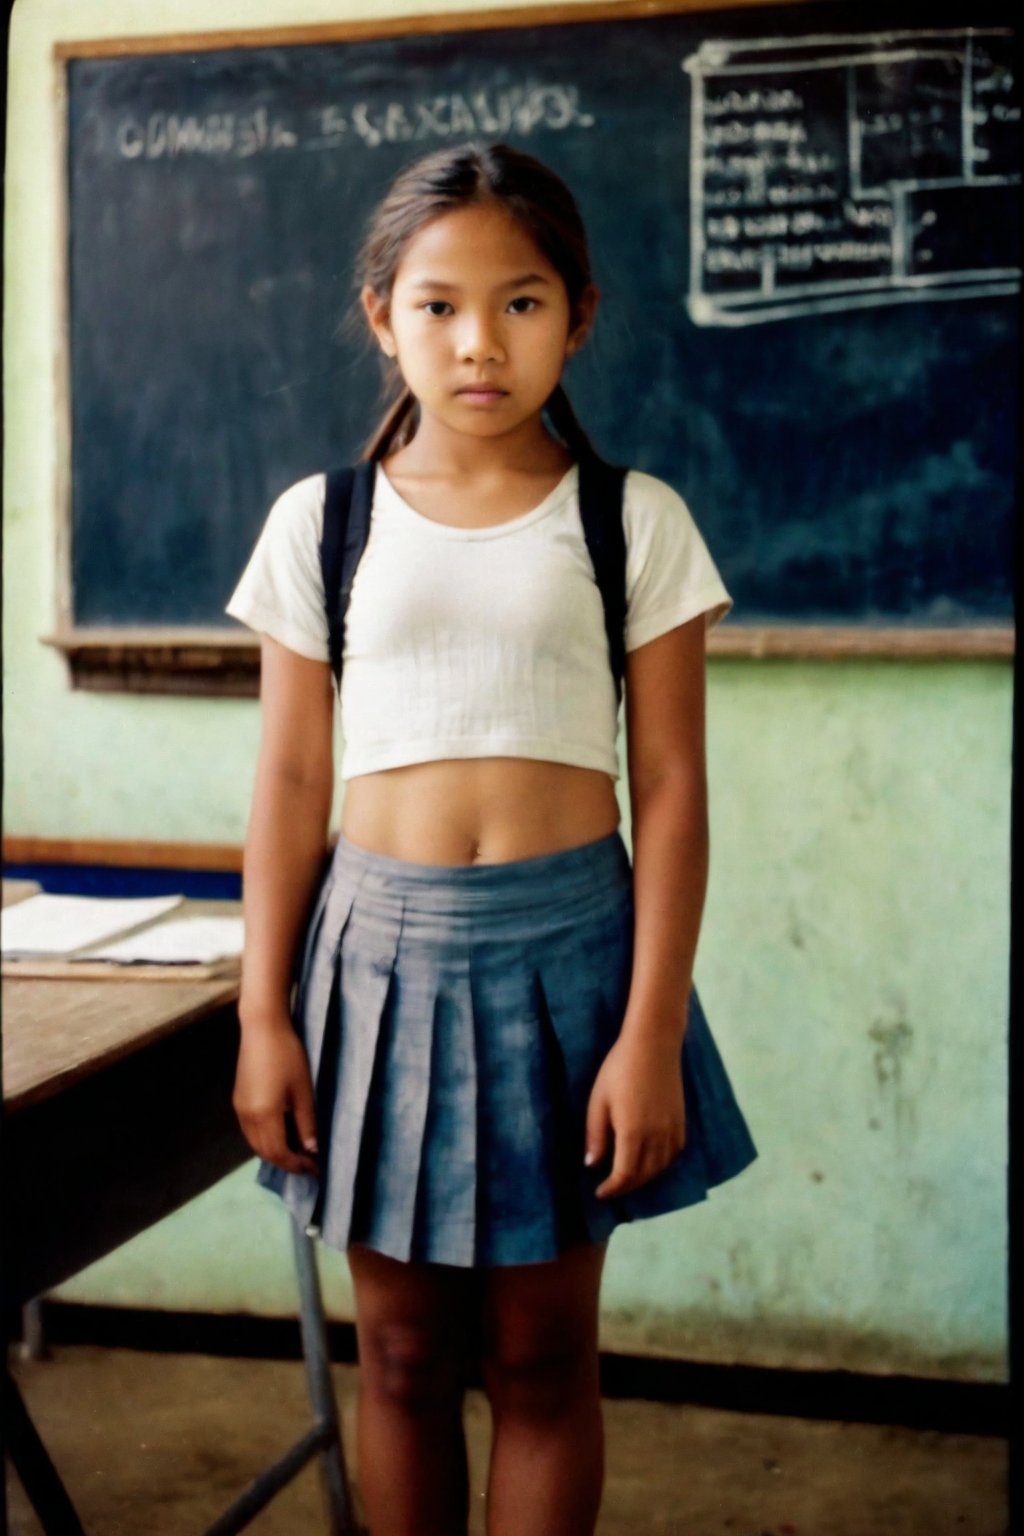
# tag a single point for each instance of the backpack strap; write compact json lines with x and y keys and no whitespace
{"x":602,"y":486}
{"x":348,"y":497}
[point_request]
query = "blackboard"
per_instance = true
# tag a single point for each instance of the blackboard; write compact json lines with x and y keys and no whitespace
{"x":804,"y":224}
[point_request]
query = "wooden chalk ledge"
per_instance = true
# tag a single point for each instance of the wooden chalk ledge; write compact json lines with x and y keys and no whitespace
{"x":220,"y":663}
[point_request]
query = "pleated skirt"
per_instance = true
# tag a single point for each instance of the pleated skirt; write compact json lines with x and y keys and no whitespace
{"x":455,"y":1019}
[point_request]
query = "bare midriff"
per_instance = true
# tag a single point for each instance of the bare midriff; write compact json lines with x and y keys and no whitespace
{"x":486,"y":810}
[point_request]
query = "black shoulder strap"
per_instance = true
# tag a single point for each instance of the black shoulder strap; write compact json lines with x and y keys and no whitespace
{"x":602,"y":486}
{"x":347,"y":501}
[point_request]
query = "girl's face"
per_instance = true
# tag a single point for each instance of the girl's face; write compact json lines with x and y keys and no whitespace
{"x":475,"y":302}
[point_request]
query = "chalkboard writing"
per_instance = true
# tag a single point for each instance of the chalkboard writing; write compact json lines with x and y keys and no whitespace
{"x":840,"y":171}
{"x":852,"y":462}
{"x":333,"y":125}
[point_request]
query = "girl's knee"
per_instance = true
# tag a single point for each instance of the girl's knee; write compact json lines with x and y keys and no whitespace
{"x":539,"y":1334}
{"x":540,"y":1377}
{"x":414,"y":1323}
{"x":411,"y":1366}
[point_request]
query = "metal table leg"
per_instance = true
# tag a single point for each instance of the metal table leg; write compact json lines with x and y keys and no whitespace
{"x":324,"y":1438}
{"x":321,"y":1391}
{"x":49,"y":1497}
{"x":39,"y":1477}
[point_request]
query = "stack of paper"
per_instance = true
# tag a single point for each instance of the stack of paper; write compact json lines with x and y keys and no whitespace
{"x":66,"y":925}
{"x":180,"y":941}
{"x":93,"y":937}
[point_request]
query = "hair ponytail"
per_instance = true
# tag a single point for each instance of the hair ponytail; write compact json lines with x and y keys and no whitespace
{"x":458,"y":177}
{"x":396,"y":428}
{"x":566,"y":423}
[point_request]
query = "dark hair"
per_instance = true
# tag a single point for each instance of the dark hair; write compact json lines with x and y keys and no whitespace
{"x":458,"y":177}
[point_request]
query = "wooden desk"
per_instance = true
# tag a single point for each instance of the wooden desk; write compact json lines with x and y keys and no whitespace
{"x":117,"y":1103}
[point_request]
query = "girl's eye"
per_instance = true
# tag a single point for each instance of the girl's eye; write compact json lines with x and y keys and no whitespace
{"x":432,"y":306}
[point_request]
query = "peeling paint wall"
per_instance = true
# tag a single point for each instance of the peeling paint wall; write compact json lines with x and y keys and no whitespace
{"x":853,"y":962}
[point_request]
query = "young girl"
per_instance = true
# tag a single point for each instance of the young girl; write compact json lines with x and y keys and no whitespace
{"x":495,"y":1053}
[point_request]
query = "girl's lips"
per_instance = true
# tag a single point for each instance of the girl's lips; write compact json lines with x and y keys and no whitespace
{"x":482,"y":396}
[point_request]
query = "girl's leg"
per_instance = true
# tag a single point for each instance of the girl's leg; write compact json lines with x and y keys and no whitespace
{"x":540,"y":1372}
{"x":415,"y":1324}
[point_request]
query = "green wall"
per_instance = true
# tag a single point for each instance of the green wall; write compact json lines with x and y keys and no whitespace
{"x":854,"y":955}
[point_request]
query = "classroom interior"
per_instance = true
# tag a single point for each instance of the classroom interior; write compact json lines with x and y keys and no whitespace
{"x":823,"y":1347}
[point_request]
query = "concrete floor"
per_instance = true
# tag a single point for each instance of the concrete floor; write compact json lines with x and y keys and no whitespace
{"x":157,"y":1445}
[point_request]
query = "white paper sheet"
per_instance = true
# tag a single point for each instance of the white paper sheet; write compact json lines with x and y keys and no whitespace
{"x":60,"y":925}
{"x":179,"y":941}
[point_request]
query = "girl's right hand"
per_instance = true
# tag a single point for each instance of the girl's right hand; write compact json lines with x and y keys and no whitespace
{"x":272,"y":1080}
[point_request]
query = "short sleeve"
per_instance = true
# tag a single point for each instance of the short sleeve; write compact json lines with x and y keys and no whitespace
{"x":670,"y":576}
{"x":281,"y":590}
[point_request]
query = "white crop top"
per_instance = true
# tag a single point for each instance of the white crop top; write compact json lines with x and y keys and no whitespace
{"x":478,"y":642}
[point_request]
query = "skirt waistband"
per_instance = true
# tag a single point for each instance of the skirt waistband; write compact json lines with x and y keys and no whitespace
{"x":515,"y":896}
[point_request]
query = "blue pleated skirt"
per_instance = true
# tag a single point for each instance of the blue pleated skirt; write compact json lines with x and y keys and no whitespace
{"x":455,"y":1019}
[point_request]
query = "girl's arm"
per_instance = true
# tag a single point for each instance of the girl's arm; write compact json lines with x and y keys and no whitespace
{"x":669,"y":801}
{"x":284,"y":853}
{"x":638,"y":1092}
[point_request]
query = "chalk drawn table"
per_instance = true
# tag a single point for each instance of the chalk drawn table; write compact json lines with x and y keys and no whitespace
{"x":117,"y":1107}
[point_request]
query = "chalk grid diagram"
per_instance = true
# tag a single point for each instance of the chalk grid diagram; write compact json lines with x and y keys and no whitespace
{"x":838,"y":172}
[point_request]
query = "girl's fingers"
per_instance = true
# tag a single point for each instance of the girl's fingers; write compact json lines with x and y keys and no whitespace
{"x":305,"y":1118}
{"x":628,"y":1150}
{"x":640,"y":1160}
{"x":596,"y":1134}
{"x":266,"y":1135}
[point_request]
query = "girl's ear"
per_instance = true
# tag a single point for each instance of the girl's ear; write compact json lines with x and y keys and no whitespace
{"x":585,"y":309}
{"x":379,"y":318}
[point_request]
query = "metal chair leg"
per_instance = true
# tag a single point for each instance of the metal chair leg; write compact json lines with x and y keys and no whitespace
{"x":321,"y":1390}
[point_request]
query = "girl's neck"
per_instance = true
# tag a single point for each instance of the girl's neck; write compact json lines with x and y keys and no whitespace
{"x":436,"y":453}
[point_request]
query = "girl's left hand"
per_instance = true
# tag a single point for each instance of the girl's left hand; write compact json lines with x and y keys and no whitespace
{"x":638,"y":1094}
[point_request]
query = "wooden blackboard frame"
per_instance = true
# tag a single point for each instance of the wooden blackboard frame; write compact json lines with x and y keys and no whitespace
{"x":192,"y":661}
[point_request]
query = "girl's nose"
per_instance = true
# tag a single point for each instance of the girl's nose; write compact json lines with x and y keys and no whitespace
{"x":480,"y":341}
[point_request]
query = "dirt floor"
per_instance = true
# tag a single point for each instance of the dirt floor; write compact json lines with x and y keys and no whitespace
{"x":158,"y":1444}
